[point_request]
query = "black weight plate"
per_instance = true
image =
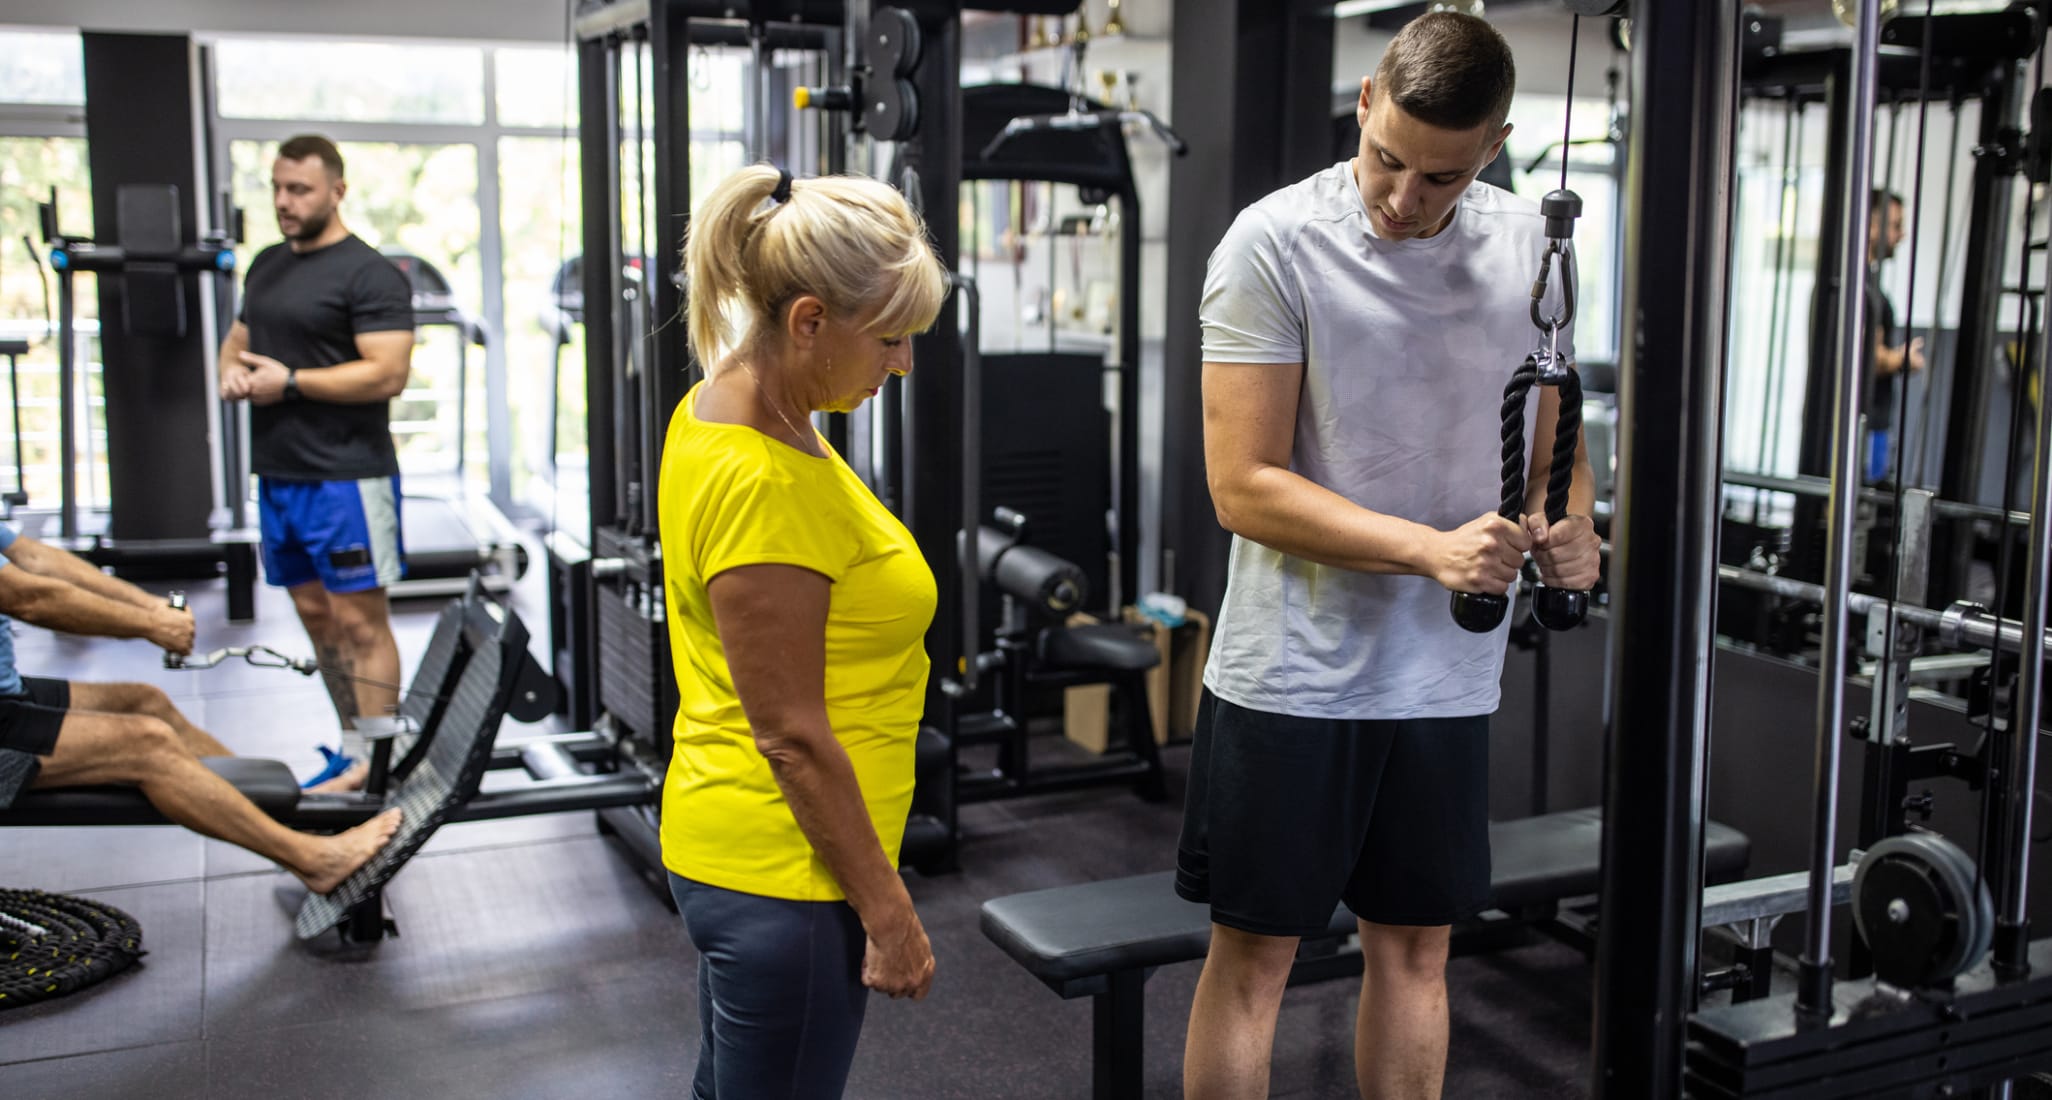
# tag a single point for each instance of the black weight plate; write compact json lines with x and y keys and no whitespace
{"x":1908,"y":944}
{"x":894,"y":42}
{"x":893,"y":111}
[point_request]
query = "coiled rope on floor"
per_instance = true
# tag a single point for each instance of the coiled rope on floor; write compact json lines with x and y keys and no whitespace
{"x":54,"y":944}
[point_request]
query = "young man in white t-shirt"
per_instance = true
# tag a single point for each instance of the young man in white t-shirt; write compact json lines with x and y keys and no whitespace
{"x":1359,"y":328}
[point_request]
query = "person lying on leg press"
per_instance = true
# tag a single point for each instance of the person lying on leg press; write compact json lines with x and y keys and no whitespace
{"x":58,"y":733}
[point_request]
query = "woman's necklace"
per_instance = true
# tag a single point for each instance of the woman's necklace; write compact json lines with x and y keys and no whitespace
{"x":802,"y":439}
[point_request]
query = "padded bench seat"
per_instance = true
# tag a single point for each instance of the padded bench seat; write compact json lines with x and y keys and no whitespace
{"x":1102,"y":939}
{"x":268,"y":783}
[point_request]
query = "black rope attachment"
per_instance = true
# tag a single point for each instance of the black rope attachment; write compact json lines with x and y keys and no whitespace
{"x":1548,"y":365}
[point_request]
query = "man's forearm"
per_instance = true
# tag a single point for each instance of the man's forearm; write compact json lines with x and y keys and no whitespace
{"x":1284,"y":510}
{"x":58,"y":564}
{"x":63,"y":607}
{"x":357,"y":382}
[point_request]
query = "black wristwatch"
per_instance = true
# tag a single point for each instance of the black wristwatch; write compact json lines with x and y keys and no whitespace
{"x":291,"y":384}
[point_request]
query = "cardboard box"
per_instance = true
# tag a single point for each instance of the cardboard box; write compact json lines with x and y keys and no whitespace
{"x":1173,"y":687}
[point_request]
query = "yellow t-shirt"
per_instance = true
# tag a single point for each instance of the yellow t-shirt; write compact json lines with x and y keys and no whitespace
{"x":732,"y":496}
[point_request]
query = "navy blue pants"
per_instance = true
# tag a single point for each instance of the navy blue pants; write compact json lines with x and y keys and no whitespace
{"x":780,"y":994}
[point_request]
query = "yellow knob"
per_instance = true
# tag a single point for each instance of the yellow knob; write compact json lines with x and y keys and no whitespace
{"x":801,"y":97}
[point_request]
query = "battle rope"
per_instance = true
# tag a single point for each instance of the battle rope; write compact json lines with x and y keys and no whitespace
{"x":52,"y":944}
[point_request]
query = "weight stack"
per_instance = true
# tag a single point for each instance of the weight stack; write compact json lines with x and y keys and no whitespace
{"x":635,"y":681}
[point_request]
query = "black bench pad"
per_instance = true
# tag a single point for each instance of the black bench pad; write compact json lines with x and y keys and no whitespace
{"x":268,"y":783}
{"x":1534,"y":860}
{"x":1071,"y":937}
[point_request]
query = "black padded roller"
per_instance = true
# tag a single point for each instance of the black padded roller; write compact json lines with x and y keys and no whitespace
{"x":1052,"y":584}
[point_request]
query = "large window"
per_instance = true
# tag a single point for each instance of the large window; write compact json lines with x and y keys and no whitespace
{"x":350,"y":81}
{"x":42,"y":149}
{"x":43,"y":68}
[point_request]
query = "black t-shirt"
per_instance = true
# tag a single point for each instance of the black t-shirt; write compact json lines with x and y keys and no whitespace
{"x":1880,"y":330}
{"x":305,"y":309}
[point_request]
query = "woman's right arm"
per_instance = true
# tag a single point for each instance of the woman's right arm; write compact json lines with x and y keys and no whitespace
{"x":772,"y":625}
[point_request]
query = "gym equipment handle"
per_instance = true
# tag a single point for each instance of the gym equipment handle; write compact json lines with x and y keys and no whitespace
{"x":175,"y":660}
{"x":1554,"y":608}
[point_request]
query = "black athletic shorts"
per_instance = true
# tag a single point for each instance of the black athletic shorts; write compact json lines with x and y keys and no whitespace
{"x":29,"y":722}
{"x":1287,"y":816}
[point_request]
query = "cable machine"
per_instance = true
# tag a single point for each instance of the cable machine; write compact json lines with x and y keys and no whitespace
{"x":1934,"y":1020}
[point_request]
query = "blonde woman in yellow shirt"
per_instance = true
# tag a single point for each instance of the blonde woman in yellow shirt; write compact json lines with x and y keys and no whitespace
{"x":798,"y":608}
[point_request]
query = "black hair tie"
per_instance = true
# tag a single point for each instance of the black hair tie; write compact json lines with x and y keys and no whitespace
{"x":782,"y":194}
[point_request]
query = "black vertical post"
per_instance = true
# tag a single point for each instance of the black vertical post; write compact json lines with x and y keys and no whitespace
{"x":1663,"y":572}
{"x":1980,"y":320}
{"x":140,"y":118}
{"x":1814,"y":457}
{"x":67,"y":405}
{"x":931,"y":476}
{"x":668,"y":366}
{"x":1260,"y":74}
{"x":1129,"y":396}
{"x":598,"y":112}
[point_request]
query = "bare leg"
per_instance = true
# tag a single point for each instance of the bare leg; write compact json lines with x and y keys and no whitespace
{"x":1232,"y":1018}
{"x":139,"y":751}
{"x":1400,"y":1034}
{"x":145,"y":699}
{"x":324,"y":630}
{"x":365,"y":626}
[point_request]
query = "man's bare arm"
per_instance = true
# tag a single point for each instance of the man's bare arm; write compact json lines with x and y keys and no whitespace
{"x":56,"y":605}
{"x":53,"y":562}
{"x":1250,"y":421}
{"x":378,"y":375}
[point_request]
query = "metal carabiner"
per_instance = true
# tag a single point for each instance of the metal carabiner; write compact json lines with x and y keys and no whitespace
{"x":1540,"y":319}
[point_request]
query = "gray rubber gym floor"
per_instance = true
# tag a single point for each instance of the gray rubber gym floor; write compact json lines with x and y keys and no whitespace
{"x":534,"y":961}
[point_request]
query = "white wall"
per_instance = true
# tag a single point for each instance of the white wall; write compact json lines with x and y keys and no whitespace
{"x":494,"y":20}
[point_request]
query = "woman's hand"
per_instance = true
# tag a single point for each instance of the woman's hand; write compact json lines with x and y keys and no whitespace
{"x":898,"y":960}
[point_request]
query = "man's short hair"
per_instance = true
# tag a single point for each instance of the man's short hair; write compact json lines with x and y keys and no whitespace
{"x":1449,"y":70}
{"x":1881,"y":200}
{"x":313,"y":145}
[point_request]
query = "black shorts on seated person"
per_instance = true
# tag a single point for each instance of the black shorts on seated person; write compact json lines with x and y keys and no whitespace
{"x":29,"y":721}
{"x":1287,"y":816}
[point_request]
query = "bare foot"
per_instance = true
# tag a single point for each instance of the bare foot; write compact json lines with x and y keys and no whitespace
{"x":340,"y":855}
{"x":351,"y":780}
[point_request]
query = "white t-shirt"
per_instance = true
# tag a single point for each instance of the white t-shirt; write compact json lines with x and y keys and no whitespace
{"x":1407,"y":346}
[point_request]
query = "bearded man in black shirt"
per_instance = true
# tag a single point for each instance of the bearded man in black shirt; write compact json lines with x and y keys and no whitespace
{"x":323,"y":343}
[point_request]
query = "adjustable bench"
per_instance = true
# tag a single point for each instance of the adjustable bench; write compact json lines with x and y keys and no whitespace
{"x":1104,"y":939}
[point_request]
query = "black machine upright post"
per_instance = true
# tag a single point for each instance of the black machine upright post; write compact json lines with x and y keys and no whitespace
{"x":931,"y":168}
{"x":668,"y":369}
{"x":1128,"y":573}
{"x":67,"y":411}
{"x":598,"y":82}
{"x":1981,"y":295}
{"x":1814,"y":456}
{"x":2019,"y":773}
{"x":1664,"y":570}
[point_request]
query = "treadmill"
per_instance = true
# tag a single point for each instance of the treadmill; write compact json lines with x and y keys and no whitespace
{"x":448,"y":530}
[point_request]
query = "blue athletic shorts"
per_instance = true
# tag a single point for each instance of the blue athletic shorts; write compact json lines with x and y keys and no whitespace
{"x":344,"y":534}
